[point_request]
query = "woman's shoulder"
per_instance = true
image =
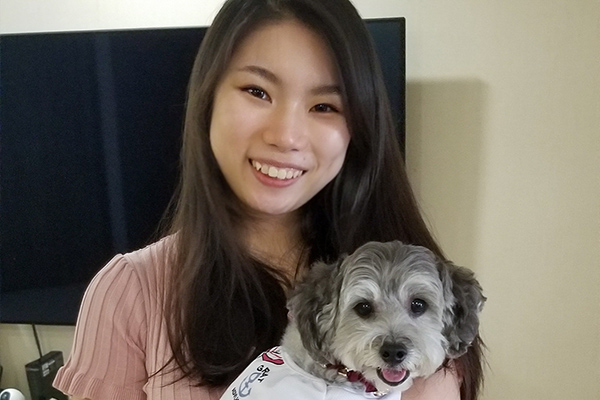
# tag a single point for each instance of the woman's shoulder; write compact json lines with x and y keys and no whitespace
{"x":143,"y":269}
{"x":151,"y":258}
{"x":127,"y":290}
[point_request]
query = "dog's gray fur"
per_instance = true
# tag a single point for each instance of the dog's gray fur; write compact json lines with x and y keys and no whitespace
{"x":325,"y":328}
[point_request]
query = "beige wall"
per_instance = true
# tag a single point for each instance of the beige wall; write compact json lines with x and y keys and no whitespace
{"x":504,"y":152}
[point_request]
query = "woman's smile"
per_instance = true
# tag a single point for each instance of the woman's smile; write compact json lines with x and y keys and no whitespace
{"x":280,"y":173}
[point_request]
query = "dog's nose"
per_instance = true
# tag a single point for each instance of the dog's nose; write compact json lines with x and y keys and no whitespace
{"x":393,"y":353}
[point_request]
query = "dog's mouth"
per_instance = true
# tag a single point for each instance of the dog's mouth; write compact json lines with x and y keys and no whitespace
{"x":393,"y":377}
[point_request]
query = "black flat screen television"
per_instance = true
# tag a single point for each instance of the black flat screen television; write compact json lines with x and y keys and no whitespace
{"x":90,"y":126}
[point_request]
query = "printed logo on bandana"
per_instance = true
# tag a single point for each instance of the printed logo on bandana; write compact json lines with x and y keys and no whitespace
{"x":258,"y":375}
{"x":273,"y":356}
{"x":245,"y":387}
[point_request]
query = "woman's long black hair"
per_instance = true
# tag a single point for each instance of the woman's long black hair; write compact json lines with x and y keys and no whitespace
{"x":224,"y":307}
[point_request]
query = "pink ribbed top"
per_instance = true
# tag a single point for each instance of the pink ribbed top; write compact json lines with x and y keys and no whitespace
{"x":121,"y":337}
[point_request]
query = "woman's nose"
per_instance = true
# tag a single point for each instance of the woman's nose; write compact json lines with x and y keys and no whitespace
{"x":286,"y":128}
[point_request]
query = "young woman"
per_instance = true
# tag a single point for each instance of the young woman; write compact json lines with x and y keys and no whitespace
{"x":289,"y":156}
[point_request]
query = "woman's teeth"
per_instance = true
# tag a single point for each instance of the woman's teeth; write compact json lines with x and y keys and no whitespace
{"x":278,"y":173}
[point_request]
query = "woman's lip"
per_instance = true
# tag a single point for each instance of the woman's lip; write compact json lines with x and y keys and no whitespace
{"x":273,"y":181}
{"x":284,"y":174}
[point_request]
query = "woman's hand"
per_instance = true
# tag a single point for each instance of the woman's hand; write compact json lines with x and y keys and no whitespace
{"x":443,"y":385}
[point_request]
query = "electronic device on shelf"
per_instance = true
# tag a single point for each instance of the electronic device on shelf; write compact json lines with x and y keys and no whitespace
{"x":40,"y":375}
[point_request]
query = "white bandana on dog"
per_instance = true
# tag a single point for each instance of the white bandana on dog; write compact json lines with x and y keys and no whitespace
{"x":273,"y":375}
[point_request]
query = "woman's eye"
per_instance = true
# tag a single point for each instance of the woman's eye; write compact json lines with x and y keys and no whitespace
{"x":323,"y":108}
{"x":257,"y":92}
{"x":418,"y":307}
{"x":363,"y":309}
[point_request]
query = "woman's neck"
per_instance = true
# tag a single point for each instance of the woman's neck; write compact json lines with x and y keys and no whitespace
{"x":276,"y":240}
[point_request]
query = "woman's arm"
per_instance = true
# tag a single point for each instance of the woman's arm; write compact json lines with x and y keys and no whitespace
{"x":443,"y":385}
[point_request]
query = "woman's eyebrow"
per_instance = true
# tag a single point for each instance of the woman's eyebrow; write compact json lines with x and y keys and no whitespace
{"x":262,"y":72}
{"x":326,"y":89}
{"x":270,"y":76}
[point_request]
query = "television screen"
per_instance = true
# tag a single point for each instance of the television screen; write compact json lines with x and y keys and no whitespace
{"x":90,"y":130}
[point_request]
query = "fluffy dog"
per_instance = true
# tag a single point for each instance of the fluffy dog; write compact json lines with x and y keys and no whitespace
{"x":368,"y":324}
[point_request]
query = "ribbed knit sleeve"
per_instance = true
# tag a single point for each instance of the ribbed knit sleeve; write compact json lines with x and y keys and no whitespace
{"x":108,"y":356}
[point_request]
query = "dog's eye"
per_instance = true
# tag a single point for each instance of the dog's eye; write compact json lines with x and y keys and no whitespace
{"x":363,"y":309}
{"x":418,"y":307}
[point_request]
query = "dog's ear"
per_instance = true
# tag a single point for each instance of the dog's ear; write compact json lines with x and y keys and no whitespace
{"x":313,"y":306}
{"x":464,"y":300}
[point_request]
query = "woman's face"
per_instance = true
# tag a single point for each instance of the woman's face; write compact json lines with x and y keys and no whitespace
{"x":278,"y":128}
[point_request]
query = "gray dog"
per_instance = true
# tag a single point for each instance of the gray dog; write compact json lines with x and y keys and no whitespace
{"x":367,"y":325}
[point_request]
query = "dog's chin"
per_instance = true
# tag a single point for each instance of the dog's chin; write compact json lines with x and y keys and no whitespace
{"x":393,"y":377}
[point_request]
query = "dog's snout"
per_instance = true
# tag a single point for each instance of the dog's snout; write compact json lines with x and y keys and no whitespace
{"x":393,"y":353}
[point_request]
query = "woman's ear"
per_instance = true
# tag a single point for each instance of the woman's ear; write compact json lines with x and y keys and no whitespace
{"x":313,"y":306}
{"x":464,"y":300}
